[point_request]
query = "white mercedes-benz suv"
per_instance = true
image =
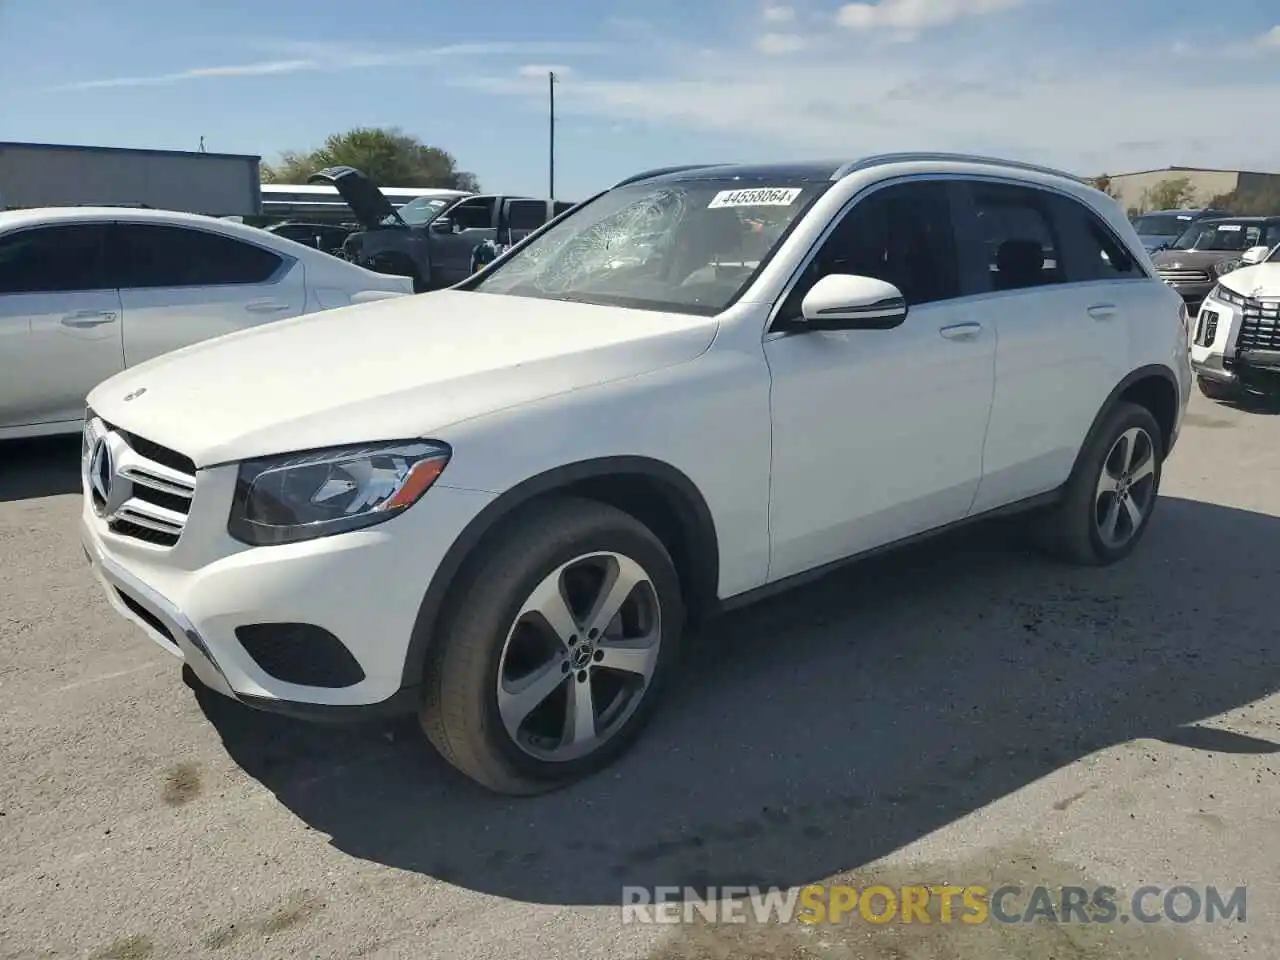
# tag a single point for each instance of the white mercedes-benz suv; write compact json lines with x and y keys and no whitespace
{"x":501,"y":505}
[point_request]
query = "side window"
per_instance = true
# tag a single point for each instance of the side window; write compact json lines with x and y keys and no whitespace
{"x":1021,"y":241}
{"x":526,"y":214}
{"x":60,"y":259}
{"x":1093,"y":252}
{"x":151,"y":255}
{"x":473,"y":214}
{"x":902,"y":234}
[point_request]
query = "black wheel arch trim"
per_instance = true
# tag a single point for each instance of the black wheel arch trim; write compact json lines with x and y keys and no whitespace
{"x":695,"y":516}
{"x":1113,"y":399}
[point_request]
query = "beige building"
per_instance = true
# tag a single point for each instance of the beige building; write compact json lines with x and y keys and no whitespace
{"x":1131,"y":188}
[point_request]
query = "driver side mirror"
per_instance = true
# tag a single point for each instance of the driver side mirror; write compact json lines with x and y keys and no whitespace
{"x":442,"y":225}
{"x":1255,"y":255}
{"x":841,"y":301}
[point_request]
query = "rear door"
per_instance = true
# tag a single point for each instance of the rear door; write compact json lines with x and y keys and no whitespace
{"x":520,"y":218}
{"x":180,"y":285}
{"x":60,"y":329}
{"x":1058,"y":287}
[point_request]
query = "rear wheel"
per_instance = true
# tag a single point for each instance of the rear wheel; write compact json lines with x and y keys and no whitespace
{"x":1111,"y":494}
{"x":553,"y":657}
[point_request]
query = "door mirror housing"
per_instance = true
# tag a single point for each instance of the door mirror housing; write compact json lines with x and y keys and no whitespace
{"x":841,"y":301}
{"x":1255,"y":255}
{"x":442,"y":225}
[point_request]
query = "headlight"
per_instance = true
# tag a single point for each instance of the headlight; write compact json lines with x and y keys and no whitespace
{"x":321,"y":492}
{"x":1226,"y":266}
{"x":1219,"y":292}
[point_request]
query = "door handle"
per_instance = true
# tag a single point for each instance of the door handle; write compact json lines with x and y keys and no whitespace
{"x":961,"y":331}
{"x":1102,"y":311}
{"x":266,"y":306}
{"x":88,"y":318}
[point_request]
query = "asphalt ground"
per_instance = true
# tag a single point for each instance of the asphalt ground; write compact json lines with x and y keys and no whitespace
{"x":962,"y":712}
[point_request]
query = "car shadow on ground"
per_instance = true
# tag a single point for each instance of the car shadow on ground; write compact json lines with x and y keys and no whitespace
{"x":818,"y":731}
{"x":46,"y":467}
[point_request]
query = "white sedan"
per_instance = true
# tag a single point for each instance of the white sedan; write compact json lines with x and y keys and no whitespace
{"x":88,"y":291}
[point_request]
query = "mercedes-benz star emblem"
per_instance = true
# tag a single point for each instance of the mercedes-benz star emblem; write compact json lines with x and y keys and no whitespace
{"x":134,"y":394}
{"x":101,"y":474}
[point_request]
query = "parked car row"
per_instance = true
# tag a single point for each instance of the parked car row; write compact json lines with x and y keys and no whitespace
{"x":700,"y":386}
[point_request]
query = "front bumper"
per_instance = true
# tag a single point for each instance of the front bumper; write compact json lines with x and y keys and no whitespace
{"x":364,"y":588}
{"x":1215,"y":354}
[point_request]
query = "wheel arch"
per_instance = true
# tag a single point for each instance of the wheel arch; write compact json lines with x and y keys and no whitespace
{"x":653,"y":491}
{"x":1154,"y":387}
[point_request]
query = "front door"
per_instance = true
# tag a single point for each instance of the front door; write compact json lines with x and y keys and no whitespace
{"x":60,"y":322}
{"x":878,"y":434}
{"x":473,"y":222}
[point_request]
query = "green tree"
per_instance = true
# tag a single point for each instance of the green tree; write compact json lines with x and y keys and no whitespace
{"x":1103,"y":183}
{"x":1176,"y":193}
{"x":1261,"y":201}
{"x":388,"y":155}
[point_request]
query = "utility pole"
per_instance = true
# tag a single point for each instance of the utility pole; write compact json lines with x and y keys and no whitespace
{"x":551,"y":136}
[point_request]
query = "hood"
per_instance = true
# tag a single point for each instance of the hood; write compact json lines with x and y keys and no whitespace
{"x":361,"y":194}
{"x":1194,"y":259}
{"x":1260,"y":282}
{"x":398,"y":368}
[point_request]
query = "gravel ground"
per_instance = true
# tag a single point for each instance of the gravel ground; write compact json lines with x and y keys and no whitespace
{"x":962,"y":712}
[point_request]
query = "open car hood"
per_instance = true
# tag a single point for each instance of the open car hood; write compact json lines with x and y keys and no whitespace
{"x":361,"y":194}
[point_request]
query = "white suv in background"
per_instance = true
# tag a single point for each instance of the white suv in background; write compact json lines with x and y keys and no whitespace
{"x":87,"y":291}
{"x":1236,"y":347}
{"x":501,"y":505}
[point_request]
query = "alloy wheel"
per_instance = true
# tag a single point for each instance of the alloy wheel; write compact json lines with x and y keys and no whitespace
{"x":1126,"y":487}
{"x":579,"y":656}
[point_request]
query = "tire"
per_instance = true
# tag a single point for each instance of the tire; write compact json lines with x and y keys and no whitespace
{"x":1078,"y":529}
{"x":574,"y":545}
{"x":1218,"y":391}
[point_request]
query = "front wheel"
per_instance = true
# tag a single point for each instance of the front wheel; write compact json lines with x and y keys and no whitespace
{"x":1111,"y":494}
{"x":554,"y":654}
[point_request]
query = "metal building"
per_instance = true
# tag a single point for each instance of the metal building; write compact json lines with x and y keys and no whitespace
{"x":46,"y":174}
{"x":1132,"y":188}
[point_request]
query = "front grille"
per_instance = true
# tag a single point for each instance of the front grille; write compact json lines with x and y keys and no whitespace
{"x":1259,"y":325}
{"x":159,"y":484}
{"x":1207,"y":328}
{"x":1170,"y":275}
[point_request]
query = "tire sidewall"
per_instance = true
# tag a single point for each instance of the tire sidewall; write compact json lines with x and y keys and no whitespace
{"x":639,"y":546}
{"x":1124,"y":419}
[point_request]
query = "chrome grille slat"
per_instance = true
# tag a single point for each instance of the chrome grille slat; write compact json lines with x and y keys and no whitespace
{"x":160,"y":478}
{"x":1182,"y":275}
{"x":152,"y":517}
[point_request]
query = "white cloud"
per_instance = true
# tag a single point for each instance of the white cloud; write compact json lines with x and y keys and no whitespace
{"x":779,"y":44}
{"x":913,"y":15}
{"x":1033,"y":97}
{"x":310,"y":57}
{"x":778,"y":14}
{"x":1271,"y":39}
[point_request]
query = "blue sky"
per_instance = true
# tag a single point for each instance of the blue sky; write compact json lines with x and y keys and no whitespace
{"x":1090,"y":85}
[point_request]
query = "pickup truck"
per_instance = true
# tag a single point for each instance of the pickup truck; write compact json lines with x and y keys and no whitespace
{"x":430,"y":239}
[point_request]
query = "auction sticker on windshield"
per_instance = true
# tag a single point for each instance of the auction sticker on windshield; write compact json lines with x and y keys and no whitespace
{"x":755,"y":197}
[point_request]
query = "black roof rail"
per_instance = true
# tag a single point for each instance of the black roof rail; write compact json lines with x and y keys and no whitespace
{"x":662,"y":171}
